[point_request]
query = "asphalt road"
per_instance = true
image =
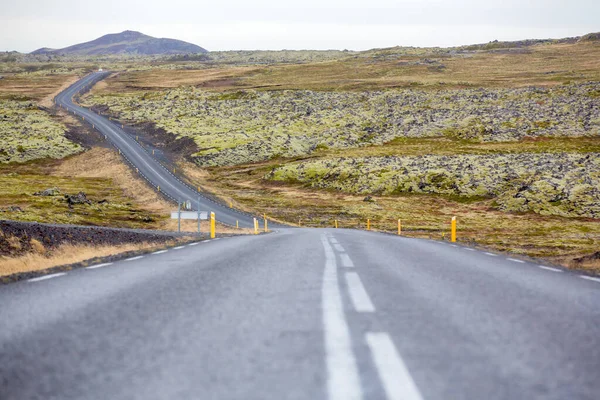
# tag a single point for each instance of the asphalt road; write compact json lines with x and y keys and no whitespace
{"x":148,"y":166}
{"x":304,"y":314}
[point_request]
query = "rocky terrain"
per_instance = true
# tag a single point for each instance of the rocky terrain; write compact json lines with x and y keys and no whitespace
{"x":559,"y":184}
{"x":17,"y":238}
{"x":248,"y":126}
{"x":28,"y":133}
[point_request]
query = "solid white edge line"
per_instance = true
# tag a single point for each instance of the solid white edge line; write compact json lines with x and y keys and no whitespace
{"x":343,"y":381}
{"x":358,"y":295}
{"x":491,"y":254}
{"x":550,"y":268}
{"x":193,"y":244}
{"x":346,"y":261}
{"x":134,"y":258}
{"x":43,"y":278}
{"x":590,"y":278}
{"x":160,"y":252}
{"x":515,"y":260}
{"x":99,"y":266}
{"x":395,"y":377}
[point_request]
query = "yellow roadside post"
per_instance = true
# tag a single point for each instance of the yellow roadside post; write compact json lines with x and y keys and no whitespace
{"x":266,"y":224}
{"x":237,"y":224}
{"x":399,"y":228}
{"x":336,"y":224}
{"x":368,"y":224}
{"x":119,"y":151}
{"x":137,"y":170}
{"x":255,"y":226}
{"x":230,"y":205}
{"x":212,"y":225}
{"x":122,"y":126}
{"x":83,"y":118}
{"x":453,"y":227}
{"x":158,"y":187}
{"x":93,"y":126}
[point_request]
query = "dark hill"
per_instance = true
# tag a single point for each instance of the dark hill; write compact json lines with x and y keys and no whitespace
{"x":127,"y":42}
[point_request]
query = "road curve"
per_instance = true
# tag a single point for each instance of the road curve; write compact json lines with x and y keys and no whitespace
{"x":304,"y":314}
{"x":149,"y":167}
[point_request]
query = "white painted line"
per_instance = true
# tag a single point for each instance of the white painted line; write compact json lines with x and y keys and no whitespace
{"x":589,"y":278}
{"x":194,"y":244}
{"x":466,"y":248}
{"x":43,"y":278}
{"x":346,"y":261}
{"x":134,"y":258}
{"x":453,"y":245}
{"x":338,"y":247}
{"x":99,"y":266}
{"x":178,"y":247}
{"x":550,"y":268}
{"x":160,"y":252}
{"x":333,"y":240}
{"x":491,"y":254}
{"x":515,"y":260}
{"x":358,"y":294}
{"x":397,"y":381}
{"x":343,"y":381}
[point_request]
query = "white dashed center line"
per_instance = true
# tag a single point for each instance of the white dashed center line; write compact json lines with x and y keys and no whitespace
{"x":346,"y":261}
{"x":43,"y":278}
{"x":343,"y":381}
{"x":358,"y":294}
{"x":338,"y":247}
{"x":397,"y":381}
{"x":99,"y":266}
{"x":550,"y":268}
{"x":515,"y":260}
{"x":134,"y":258}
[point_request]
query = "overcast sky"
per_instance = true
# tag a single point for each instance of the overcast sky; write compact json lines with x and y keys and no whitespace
{"x":307,"y":24}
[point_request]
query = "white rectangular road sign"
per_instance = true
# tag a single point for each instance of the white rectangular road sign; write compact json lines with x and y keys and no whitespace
{"x":189,"y":215}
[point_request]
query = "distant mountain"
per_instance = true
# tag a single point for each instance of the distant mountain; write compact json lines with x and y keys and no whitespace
{"x":127,"y":42}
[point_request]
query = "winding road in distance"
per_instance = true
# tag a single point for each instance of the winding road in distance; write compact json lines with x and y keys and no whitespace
{"x":148,"y":166}
{"x":301,"y":313}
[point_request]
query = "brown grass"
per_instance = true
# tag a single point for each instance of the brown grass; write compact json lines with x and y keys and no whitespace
{"x":39,"y":88}
{"x":47,"y":101}
{"x":64,"y":255}
{"x":544,"y":65}
{"x":86,"y":165}
{"x":106,"y":163}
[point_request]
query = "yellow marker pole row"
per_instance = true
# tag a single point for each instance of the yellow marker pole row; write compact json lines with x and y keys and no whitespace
{"x":212,"y":225}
